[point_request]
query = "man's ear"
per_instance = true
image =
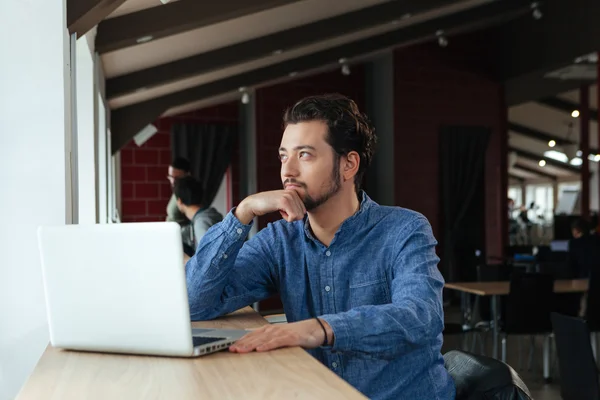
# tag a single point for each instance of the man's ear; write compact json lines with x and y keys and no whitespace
{"x":350,"y":165}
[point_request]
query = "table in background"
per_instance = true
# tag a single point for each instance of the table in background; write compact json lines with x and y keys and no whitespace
{"x":280,"y":374}
{"x":501,"y":288}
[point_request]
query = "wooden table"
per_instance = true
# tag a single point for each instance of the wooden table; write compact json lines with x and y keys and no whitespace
{"x":500,"y":288}
{"x":281,"y":374}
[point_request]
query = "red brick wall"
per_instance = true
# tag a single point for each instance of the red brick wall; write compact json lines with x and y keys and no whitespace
{"x":446,"y":86}
{"x":272,"y":101}
{"x":145,"y":190}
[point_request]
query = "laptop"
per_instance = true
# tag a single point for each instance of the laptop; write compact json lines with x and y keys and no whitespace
{"x":121,"y":288}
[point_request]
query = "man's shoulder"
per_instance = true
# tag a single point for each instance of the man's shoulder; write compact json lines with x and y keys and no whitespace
{"x":397,"y":218}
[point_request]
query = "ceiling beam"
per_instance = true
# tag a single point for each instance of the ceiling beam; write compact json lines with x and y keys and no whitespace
{"x":538,"y":135}
{"x":534,"y":171}
{"x":550,"y":161}
{"x":263,"y":46}
{"x":83,"y":15}
{"x":516,"y":177}
{"x":173,"y":18}
{"x":126,"y":122}
{"x":528,"y":48}
{"x":566,"y":106}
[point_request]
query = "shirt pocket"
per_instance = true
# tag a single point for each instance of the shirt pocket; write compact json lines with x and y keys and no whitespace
{"x":369,"y":290}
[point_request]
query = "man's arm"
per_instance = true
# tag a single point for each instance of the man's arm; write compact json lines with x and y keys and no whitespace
{"x":414,"y":318}
{"x":226,"y":274}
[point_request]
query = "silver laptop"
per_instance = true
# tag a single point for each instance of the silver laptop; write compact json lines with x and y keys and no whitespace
{"x":120,"y":288}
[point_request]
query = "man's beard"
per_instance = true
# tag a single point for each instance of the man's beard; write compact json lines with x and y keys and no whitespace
{"x":312,"y":203}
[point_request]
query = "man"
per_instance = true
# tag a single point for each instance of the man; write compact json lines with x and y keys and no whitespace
{"x":188,"y":193}
{"x":359,"y":282}
{"x":584,"y":250}
{"x":179,"y":168}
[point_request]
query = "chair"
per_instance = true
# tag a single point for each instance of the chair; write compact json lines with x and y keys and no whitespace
{"x":481,"y":377}
{"x":578,"y":372}
{"x":563,"y":303}
{"x":528,"y":309}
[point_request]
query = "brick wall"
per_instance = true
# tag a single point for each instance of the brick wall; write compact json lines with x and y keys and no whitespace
{"x":446,"y":86}
{"x":145,"y":190}
{"x":271,"y":103}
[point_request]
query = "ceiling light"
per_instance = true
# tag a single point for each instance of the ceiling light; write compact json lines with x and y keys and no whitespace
{"x":537,"y":13}
{"x":442,"y":39}
{"x":597,"y":158}
{"x":345,"y":70}
{"x":576,"y":161}
{"x":245,"y":98}
{"x":579,"y":153}
{"x":292,"y":74}
{"x":575,"y":114}
{"x":164,"y":1}
{"x":556,"y":155}
{"x":552,"y":143}
{"x":542,"y":163}
{"x":144,"y":39}
{"x":395,"y":22}
{"x":277,"y":52}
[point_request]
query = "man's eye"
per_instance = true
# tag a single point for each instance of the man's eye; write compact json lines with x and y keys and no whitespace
{"x":282,"y":157}
{"x":304,"y":154}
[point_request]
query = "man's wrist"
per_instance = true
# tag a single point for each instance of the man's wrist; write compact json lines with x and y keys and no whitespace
{"x":328,"y":340}
{"x":243,"y":214}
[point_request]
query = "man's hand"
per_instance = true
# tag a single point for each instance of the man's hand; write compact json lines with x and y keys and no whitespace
{"x":307,"y":334}
{"x":287,"y":202}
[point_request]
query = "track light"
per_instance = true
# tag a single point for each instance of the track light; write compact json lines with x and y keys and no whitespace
{"x":552,"y":143}
{"x":536,"y":13}
{"x":542,"y":163}
{"x":345,"y":67}
{"x":442,"y":39}
{"x":245,"y":96}
{"x":575,"y":114}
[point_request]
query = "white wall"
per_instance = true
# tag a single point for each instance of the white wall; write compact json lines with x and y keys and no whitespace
{"x":34,"y":87}
{"x":86,"y":143}
{"x":220,"y":201}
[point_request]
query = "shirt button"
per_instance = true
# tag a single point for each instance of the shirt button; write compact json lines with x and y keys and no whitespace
{"x":224,"y":255}
{"x":239,"y":231}
{"x":328,"y":253}
{"x":334,"y":364}
{"x":327,"y":288}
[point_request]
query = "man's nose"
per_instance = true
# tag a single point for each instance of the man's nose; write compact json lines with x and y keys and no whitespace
{"x":289,"y":169}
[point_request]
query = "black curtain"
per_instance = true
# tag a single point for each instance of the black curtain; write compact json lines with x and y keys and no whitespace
{"x":462,"y":152}
{"x":208,"y":147}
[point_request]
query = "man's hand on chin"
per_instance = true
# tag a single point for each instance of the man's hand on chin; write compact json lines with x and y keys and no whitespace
{"x":307,"y":334}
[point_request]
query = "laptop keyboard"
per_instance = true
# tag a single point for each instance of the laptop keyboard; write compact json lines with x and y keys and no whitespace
{"x":201,"y":340}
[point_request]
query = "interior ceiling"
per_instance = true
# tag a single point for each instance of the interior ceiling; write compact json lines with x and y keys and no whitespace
{"x":261,"y":23}
{"x":180,"y":46}
{"x":552,"y":121}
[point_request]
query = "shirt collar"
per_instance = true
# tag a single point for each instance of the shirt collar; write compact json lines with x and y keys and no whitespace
{"x":348,"y":225}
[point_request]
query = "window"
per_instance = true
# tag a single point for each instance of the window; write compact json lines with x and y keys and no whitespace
{"x":542,"y":197}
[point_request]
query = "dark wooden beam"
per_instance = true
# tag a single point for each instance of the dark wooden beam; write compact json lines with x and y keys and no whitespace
{"x":534,"y":171}
{"x":128,"y":121}
{"x":173,"y":18}
{"x":83,"y":15}
{"x":517,"y":178}
{"x":584,"y":141}
{"x":538,"y":135}
{"x":550,"y":161}
{"x":567,"y":106}
{"x":263,"y":46}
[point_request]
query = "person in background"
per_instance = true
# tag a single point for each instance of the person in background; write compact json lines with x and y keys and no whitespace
{"x":188,"y":194}
{"x":584,"y":250}
{"x":179,"y":168}
{"x":359,"y":282}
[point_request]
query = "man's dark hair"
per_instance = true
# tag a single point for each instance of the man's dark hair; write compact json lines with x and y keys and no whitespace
{"x":189,"y":191}
{"x":181,"y":163}
{"x":348,"y":128}
{"x":581,"y":225}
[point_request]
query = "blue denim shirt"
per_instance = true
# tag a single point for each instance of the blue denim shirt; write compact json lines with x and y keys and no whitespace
{"x":377,"y":285}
